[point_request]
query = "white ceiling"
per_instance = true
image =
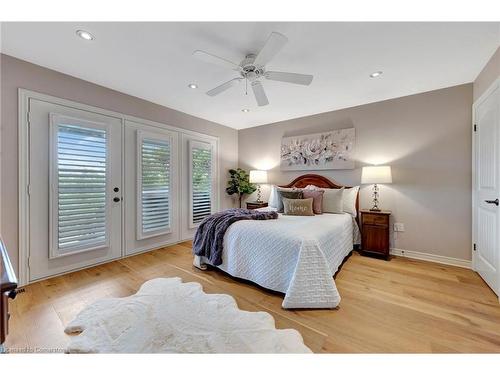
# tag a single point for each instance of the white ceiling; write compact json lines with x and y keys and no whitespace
{"x":153,"y":61}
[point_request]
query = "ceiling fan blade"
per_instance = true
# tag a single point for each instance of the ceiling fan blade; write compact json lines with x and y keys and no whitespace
{"x":299,"y":79}
{"x":273,"y":45}
{"x":224,"y":87}
{"x":260,"y":94}
{"x":216,"y":60}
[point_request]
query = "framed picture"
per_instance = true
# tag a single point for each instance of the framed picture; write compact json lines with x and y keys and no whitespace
{"x":330,"y":150}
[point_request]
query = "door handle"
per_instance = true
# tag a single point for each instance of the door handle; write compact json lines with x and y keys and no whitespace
{"x":116,"y":199}
{"x":492,"y":201}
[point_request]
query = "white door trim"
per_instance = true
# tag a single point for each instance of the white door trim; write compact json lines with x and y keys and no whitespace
{"x":478,"y":101}
{"x":23,"y":186}
{"x":24,"y":96}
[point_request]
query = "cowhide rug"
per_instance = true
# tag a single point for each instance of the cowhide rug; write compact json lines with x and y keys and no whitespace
{"x":169,"y":316}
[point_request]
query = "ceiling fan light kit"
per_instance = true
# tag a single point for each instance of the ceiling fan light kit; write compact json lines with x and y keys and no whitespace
{"x":252,"y":69}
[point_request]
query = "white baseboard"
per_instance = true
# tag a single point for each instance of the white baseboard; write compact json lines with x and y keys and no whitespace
{"x":432,"y":258}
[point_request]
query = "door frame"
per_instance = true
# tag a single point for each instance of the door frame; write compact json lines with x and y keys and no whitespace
{"x":480,"y":100}
{"x":24,"y":97}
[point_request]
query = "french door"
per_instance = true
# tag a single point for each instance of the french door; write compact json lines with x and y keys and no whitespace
{"x":101,"y":186}
{"x":75,"y":183}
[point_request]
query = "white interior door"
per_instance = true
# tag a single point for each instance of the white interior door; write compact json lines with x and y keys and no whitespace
{"x":486,"y":194}
{"x":75,"y":184}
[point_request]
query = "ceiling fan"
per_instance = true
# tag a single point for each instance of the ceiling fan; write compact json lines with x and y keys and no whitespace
{"x":253,"y":68}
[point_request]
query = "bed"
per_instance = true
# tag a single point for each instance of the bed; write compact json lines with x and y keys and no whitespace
{"x":294,"y":255}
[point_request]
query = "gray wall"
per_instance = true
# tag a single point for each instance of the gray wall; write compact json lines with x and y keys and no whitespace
{"x":17,"y":73}
{"x":426,"y":138}
{"x":488,"y":75}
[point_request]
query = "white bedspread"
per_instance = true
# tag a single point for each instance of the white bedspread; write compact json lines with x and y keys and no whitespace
{"x":295,"y":255}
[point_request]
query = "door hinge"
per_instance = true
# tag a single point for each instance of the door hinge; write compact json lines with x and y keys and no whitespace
{"x":28,"y":189}
{"x":475,"y":127}
{"x":474,"y":247}
{"x":28,"y":123}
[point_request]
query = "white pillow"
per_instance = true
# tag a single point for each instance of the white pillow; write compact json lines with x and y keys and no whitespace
{"x":333,"y":201}
{"x":274,"y":198}
{"x":349,"y":201}
{"x":349,"y":198}
{"x":312,"y":187}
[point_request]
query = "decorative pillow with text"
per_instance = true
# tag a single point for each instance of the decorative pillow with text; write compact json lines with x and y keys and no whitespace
{"x":298,"y":207}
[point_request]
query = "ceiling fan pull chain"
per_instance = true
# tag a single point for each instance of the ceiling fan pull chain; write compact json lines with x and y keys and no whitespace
{"x":246,"y":86}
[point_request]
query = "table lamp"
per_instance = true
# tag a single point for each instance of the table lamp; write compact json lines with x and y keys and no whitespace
{"x":380,"y":174}
{"x":258,"y":177}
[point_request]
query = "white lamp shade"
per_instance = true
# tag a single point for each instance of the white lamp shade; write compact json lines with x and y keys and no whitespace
{"x":376,"y":175}
{"x":258,"y":177}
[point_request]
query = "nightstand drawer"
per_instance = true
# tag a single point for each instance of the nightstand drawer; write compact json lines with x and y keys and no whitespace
{"x":255,"y":205}
{"x":375,"y":219}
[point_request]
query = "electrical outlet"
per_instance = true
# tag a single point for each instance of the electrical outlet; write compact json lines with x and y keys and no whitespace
{"x":399,"y":227}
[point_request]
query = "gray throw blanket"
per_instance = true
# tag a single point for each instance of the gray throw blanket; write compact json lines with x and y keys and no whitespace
{"x":208,"y":241}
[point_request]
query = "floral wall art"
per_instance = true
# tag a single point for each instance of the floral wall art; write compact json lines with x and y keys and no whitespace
{"x":330,"y":150}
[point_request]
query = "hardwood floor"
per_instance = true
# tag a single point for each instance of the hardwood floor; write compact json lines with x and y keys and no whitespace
{"x":398,"y":306}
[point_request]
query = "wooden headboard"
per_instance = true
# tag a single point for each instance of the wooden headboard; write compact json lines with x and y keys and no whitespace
{"x":319,"y":181}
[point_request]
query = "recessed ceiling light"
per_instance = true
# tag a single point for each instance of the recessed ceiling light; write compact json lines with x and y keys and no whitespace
{"x":245,"y":110}
{"x":193,"y":86}
{"x":84,"y":35}
{"x":376,"y":74}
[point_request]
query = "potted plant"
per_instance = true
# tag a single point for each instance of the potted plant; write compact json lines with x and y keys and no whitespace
{"x":239,"y":183}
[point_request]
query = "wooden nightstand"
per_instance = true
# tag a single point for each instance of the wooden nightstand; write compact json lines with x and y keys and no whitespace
{"x":375,"y":233}
{"x":254,"y":205}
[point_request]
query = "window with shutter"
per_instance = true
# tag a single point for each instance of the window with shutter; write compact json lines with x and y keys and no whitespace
{"x":201,"y":160}
{"x":154,"y":187}
{"x":78,"y":198}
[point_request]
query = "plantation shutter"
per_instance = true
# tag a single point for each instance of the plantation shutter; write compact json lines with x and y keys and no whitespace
{"x":78,"y":197}
{"x":201,"y":180}
{"x":155,"y":170}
